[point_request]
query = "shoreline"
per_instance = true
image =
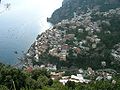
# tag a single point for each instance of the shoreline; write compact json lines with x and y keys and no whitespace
{"x":52,"y":42}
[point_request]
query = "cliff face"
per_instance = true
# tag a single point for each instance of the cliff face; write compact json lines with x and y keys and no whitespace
{"x":81,"y":6}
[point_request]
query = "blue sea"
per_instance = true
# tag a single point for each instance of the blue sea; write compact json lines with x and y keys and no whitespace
{"x":20,"y":23}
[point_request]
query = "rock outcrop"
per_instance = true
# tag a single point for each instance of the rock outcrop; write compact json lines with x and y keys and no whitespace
{"x":69,"y":7}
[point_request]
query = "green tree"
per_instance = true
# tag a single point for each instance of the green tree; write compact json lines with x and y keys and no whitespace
{"x":42,"y":81}
{"x":70,"y":84}
{"x":30,"y":83}
{"x":38,"y":72}
{"x":2,"y":87}
{"x":59,"y":86}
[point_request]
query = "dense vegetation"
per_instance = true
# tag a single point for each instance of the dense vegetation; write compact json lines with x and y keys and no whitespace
{"x":16,"y":79}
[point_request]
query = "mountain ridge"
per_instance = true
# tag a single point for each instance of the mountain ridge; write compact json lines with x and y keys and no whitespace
{"x":80,"y":6}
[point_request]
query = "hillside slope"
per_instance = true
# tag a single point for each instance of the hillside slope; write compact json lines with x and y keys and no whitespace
{"x":83,"y":41}
{"x":81,"y":6}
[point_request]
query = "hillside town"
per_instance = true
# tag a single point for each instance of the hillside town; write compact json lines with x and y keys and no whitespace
{"x":80,"y":51}
{"x":58,"y":40}
{"x":54,"y":39}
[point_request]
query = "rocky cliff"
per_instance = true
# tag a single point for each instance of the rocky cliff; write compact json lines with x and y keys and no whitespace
{"x":70,"y":7}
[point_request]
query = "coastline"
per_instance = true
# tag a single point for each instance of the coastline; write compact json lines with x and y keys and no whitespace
{"x":56,"y":41}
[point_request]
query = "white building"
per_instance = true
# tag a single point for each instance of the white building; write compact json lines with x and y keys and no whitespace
{"x":76,"y":79}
